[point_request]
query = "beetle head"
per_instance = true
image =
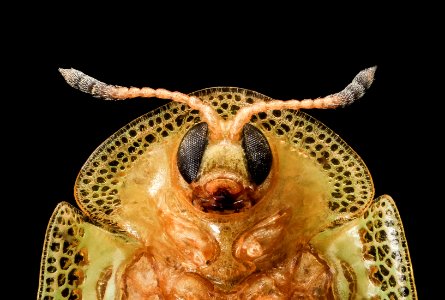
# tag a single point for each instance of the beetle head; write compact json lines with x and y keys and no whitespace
{"x":224,"y":160}
{"x":224,"y":174}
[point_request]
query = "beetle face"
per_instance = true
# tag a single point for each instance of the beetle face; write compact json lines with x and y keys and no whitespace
{"x":224,"y":174}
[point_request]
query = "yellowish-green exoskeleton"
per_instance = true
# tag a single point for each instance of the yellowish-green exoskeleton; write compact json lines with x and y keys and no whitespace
{"x":225,"y":193}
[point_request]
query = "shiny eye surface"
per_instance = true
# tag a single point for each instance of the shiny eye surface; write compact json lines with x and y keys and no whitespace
{"x":191,"y":151}
{"x":258,"y":153}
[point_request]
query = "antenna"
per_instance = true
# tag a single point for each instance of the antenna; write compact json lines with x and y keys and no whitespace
{"x":217,"y":126}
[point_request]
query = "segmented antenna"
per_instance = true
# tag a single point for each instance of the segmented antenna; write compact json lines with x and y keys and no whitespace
{"x":99,"y":89}
{"x":218,"y":127}
{"x":355,"y":90}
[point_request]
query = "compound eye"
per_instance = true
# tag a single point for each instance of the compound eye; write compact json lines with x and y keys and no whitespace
{"x":191,"y":150}
{"x":258,"y":153}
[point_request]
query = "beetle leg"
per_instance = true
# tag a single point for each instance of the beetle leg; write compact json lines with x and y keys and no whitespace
{"x":311,"y":276}
{"x":140,"y":279}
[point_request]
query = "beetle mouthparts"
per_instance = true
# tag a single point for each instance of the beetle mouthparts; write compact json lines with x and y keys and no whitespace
{"x":222,"y":202}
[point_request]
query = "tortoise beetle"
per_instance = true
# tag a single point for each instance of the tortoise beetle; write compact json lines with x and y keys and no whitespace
{"x":225,"y":193}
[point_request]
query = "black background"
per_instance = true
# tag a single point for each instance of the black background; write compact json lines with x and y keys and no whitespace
{"x":56,"y":127}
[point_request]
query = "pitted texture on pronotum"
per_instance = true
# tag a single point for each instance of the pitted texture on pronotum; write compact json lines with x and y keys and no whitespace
{"x":99,"y":181}
{"x":101,"y":178}
{"x":63,"y":261}
{"x":386,"y":251}
{"x":351,"y":184}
